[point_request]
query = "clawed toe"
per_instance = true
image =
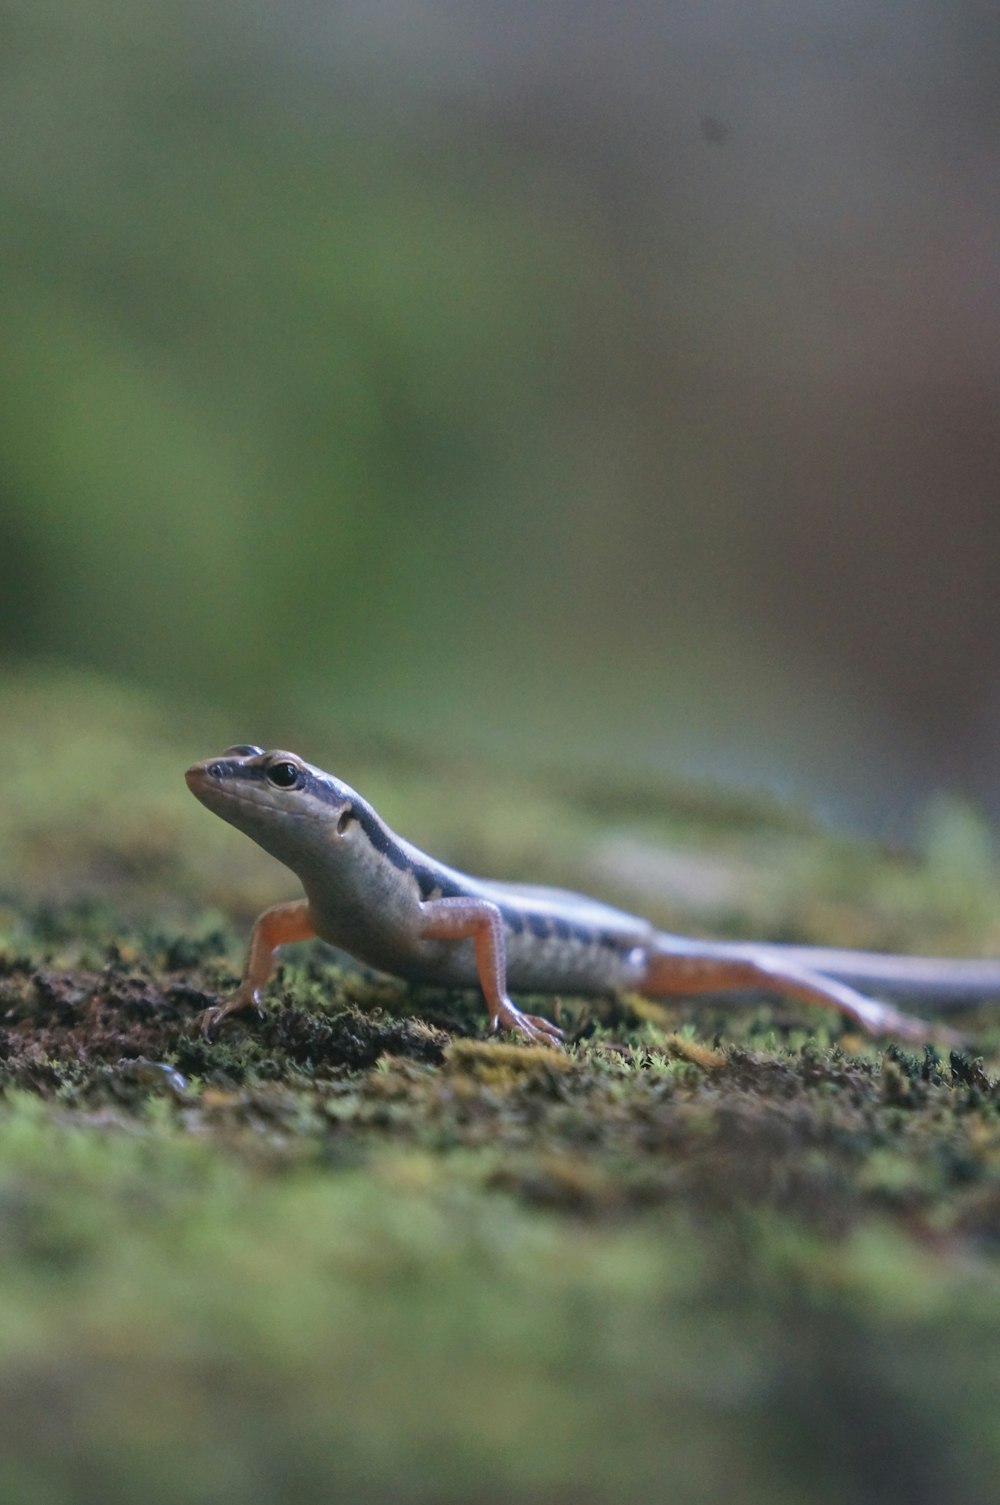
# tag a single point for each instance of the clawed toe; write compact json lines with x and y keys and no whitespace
{"x":210,"y":1019}
{"x":533,"y":1027}
{"x":544,"y":1028}
{"x":541,"y":1032}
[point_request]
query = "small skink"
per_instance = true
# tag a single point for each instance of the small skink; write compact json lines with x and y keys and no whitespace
{"x":373,"y":895}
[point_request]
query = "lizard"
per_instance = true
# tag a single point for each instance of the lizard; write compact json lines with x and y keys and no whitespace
{"x":392,"y":907}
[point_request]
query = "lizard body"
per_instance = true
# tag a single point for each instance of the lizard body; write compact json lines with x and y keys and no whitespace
{"x":379,"y":898}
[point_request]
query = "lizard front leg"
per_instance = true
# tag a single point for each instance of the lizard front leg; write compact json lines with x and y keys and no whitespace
{"x":275,"y":927}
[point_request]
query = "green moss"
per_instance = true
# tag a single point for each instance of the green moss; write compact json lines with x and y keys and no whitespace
{"x":354,"y":1247}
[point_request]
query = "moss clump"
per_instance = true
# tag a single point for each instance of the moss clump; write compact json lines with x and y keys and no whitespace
{"x":354,"y":1247}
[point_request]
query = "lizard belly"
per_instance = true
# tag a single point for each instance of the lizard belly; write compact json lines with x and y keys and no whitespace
{"x":550,"y":964}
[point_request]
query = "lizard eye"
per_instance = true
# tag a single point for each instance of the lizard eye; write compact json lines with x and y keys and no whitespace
{"x":285,"y":775}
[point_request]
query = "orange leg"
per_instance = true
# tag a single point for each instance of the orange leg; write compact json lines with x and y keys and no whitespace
{"x":480,"y":921}
{"x":276,"y":926}
{"x":674,"y":973}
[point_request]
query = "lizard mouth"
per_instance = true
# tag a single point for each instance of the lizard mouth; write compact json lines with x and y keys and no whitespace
{"x":195,"y":777}
{"x":207,"y":782}
{"x":247,"y":803}
{"x":206,"y":778}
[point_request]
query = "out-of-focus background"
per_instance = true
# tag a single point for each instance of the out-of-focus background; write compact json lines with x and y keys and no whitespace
{"x":594,"y":386}
{"x":564,"y":421}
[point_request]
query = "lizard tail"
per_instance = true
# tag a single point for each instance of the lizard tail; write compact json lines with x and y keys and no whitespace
{"x":678,"y":967}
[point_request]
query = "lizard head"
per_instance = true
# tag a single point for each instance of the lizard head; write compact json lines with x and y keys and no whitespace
{"x":276,"y":798}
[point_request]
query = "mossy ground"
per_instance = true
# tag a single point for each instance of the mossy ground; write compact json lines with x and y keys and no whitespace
{"x":354,"y":1250}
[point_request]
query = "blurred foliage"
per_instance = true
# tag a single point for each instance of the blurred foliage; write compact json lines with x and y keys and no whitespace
{"x":255,"y":365}
{"x":506,"y":395}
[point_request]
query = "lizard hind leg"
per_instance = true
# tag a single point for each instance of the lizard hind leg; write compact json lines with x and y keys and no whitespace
{"x":676,"y":968}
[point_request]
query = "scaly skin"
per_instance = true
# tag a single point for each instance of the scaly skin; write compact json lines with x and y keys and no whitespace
{"x":373,"y":895}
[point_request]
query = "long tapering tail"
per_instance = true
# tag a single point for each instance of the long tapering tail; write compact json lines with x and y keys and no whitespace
{"x":947,"y":982}
{"x":677,"y":966}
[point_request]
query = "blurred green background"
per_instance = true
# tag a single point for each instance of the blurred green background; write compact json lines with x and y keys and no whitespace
{"x":595,"y":387}
{"x":591,"y":390}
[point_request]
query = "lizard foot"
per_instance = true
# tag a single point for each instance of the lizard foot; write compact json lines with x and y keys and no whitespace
{"x":882,"y":1019}
{"x":532,"y":1026}
{"x":210,"y":1019}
